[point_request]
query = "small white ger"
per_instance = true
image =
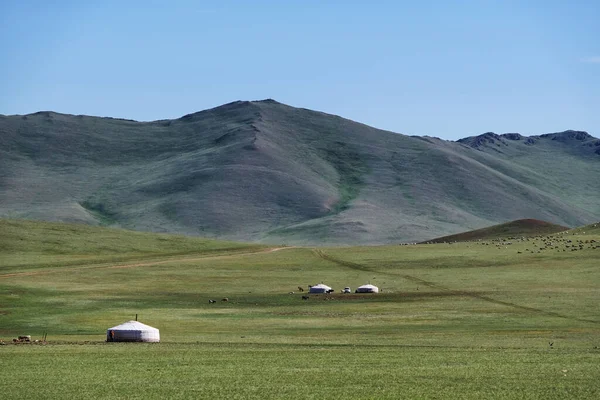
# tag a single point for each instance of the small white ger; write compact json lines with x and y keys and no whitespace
{"x":320,"y":288}
{"x":132,"y":331}
{"x":367,"y":289}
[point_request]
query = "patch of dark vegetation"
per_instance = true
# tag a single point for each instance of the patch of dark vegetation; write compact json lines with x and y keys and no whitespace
{"x":100,"y":211}
{"x":351,"y":166}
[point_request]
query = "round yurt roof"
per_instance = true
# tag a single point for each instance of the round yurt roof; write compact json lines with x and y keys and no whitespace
{"x":132,"y":326}
{"x":322,"y":286}
{"x":368,"y":286}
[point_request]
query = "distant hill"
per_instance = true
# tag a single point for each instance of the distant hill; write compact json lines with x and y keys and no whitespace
{"x":263,"y":171}
{"x":591,"y":229}
{"x":519,"y":228}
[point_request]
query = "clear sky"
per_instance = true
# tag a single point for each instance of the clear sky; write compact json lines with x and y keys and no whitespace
{"x":441,"y":68}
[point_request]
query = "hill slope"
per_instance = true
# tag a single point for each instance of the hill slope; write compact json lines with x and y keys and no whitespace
{"x":26,"y":245}
{"x":264,"y":171}
{"x":522,"y":227}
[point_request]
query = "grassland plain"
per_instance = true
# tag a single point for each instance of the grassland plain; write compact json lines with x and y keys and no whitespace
{"x":468,"y":320}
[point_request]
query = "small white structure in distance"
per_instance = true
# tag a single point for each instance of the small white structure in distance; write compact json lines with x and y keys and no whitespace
{"x":132,"y":331}
{"x":367,"y":289}
{"x":320,"y":288}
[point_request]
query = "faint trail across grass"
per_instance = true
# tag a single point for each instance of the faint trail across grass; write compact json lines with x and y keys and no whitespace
{"x":162,"y":260}
{"x":437,"y":286}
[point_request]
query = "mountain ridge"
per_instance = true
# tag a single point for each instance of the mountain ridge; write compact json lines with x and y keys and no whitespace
{"x":562,"y":135}
{"x":268,"y":172}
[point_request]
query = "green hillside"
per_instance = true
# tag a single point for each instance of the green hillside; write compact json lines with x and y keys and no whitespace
{"x":520,"y":228}
{"x":266,"y":172}
{"x":27,"y":245}
{"x":591,"y":229}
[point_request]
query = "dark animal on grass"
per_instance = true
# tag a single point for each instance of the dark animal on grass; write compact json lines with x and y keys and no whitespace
{"x":212,"y":301}
{"x":225,"y":299}
{"x":300,"y":289}
{"x":305,"y":297}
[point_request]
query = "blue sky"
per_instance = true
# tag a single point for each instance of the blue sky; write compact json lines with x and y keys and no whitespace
{"x":432,"y":68}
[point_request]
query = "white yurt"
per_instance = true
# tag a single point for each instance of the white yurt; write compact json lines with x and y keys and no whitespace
{"x":132,"y":331}
{"x":320,"y":288}
{"x":367,"y":289}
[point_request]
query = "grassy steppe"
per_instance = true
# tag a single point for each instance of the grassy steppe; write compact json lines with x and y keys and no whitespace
{"x":464,"y":320}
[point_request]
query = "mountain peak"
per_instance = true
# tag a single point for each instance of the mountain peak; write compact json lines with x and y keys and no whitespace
{"x":481,"y":140}
{"x":267,"y":101}
{"x":491,"y":138}
{"x":234,"y":106}
{"x":568,"y":135}
{"x":512,"y":136}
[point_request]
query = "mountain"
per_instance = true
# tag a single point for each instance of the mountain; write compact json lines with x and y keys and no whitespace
{"x":267,"y":172}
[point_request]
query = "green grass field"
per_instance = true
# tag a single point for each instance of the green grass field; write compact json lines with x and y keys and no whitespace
{"x":466,"y":320}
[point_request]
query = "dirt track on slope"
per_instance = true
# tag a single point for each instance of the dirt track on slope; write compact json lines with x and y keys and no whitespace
{"x":188,"y":258}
